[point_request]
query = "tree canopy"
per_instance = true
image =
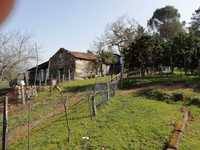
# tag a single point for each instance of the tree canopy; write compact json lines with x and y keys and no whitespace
{"x":166,"y":21}
{"x":195,"y":23}
{"x":169,"y":45}
{"x":16,"y":50}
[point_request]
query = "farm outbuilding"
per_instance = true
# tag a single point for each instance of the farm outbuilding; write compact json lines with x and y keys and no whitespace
{"x":69,"y":65}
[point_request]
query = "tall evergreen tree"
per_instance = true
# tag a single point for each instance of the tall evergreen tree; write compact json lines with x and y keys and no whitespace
{"x":195,"y":24}
{"x":166,"y":21}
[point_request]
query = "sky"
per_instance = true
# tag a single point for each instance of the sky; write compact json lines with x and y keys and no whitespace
{"x":75,"y":24}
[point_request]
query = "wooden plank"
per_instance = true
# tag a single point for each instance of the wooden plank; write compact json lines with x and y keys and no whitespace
{"x":175,"y":140}
{"x":177,"y":134}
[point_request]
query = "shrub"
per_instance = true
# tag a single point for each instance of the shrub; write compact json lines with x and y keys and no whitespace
{"x":128,"y":83}
{"x":178,"y":97}
{"x":194,"y":101}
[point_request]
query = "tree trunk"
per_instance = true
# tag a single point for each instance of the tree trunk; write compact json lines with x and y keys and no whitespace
{"x":184,"y":65}
{"x":171,"y":65}
{"x":101,"y":70}
{"x":142,"y":71}
{"x":1,"y":74}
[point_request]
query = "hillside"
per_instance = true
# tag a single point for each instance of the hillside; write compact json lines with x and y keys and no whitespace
{"x":136,"y":118}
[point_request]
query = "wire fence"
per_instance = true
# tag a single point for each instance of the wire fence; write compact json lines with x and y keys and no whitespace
{"x":34,"y":113}
{"x":102,"y":94}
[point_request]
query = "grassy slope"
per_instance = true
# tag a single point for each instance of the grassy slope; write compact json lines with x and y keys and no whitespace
{"x":46,"y":103}
{"x":191,"y":138}
{"x":125,"y":123}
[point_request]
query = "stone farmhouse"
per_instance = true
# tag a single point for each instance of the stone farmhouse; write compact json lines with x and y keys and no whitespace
{"x":69,"y":65}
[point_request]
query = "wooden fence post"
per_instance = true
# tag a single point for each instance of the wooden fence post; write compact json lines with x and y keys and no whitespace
{"x":89,"y":105}
{"x":94,"y":109}
{"x":29,"y":126}
{"x":108,"y":91}
{"x":67,"y":120}
{"x":23,"y":95}
{"x":5,"y":124}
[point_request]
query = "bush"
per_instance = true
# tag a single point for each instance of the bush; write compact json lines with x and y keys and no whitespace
{"x":178,"y":96}
{"x":194,"y":101}
{"x":128,"y":83}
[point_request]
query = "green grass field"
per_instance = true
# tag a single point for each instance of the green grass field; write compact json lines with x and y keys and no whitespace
{"x":124,"y":123}
{"x":130,"y":120}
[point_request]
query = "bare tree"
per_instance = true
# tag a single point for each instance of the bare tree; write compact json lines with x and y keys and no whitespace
{"x":100,"y":47}
{"x":117,"y":36}
{"x":121,"y":33}
{"x":16,"y":50}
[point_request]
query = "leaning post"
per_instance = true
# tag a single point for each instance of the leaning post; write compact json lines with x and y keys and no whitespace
{"x":94,"y":109}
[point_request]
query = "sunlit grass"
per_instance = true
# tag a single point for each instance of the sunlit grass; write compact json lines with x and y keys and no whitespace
{"x":124,"y":123}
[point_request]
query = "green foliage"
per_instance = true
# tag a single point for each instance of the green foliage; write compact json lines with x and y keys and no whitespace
{"x":158,"y":79}
{"x":186,"y":96}
{"x":195,"y":24}
{"x":143,"y":53}
{"x":178,"y":96}
{"x":149,"y":53}
{"x":186,"y":51}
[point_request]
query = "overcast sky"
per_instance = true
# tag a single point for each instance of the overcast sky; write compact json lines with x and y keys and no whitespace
{"x":74,"y":24}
